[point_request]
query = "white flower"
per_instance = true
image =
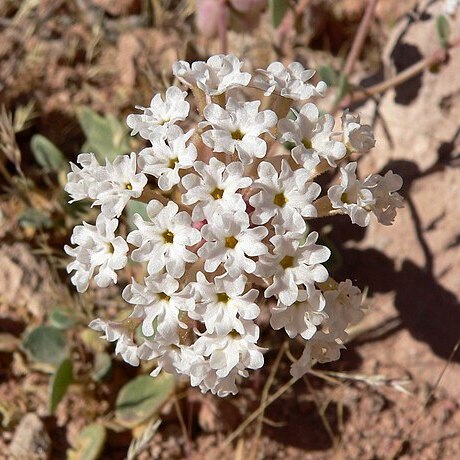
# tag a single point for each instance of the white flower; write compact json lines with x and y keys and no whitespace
{"x":162,"y":241}
{"x":287,"y":196}
{"x":227,"y":351}
{"x":123,"y":184}
{"x":238,"y":127}
{"x":291,"y":265}
{"x":302,"y":317}
{"x":97,"y":248}
{"x":84,"y":182}
{"x":216,"y":189}
{"x":290,"y":82}
{"x":221,"y":305}
{"x":387,"y":200}
{"x":450,"y":7}
{"x":351,"y":196}
{"x":122,"y":333}
{"x":223,"y":386}
{"x":311,"y":134}
{"x":343,"y":308}
{"x":359,"y":137}
{"x":322,"y":348}
{"x":167,"y":156}
{"x":111,"y":186}
{"x":230,"y":241}
{"x":158,"y":300}
{"x":375,"y":194}
{"x":175,"y":359}
{"x":160,"y":114}
{"x":215,"y":76}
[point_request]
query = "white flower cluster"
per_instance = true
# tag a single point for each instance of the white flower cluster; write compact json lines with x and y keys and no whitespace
{"x":228,"y":225}
{"x":450,"y":7}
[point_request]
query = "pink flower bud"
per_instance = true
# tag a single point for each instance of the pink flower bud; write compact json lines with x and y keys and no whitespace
{"x":207,"y":16}
{"x":245,"y":6}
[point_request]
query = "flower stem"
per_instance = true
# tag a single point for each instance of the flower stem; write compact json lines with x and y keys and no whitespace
{"x":360,"y":37}
{"x":437,"y":57}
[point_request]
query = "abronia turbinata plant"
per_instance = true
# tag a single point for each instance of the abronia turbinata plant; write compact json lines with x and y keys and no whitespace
{"x":229,"y":201}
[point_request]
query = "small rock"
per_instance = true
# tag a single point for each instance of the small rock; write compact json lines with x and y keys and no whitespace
{"x":30,"y":439}
{"x":118,"y":8}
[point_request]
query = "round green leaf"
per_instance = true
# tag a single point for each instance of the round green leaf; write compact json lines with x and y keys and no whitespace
{"x":443,"y":29}
{"x":141,"y":398}
{"x":46,"y":344}
{"x":60,"y":383}
{"x":278,"y":9}
{"x":35,"y":218}
{"x":136,"y":207}
{"x":102,"y":366}
{"x":62,"y":319}
{"x":89,"y":444}
{"x":46,"y":153}
{"x":106,"y":136}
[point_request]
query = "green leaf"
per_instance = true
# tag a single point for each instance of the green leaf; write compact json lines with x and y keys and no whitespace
{"x":46,"y":344}
{"x":105,"y":136}
{"x":62,"y":319}
{"x":136,"y":207}
{"x":35,"y":218}
{"x":46,"y":153}
{"x":443,"y":29}
{"x":141,"y":398}
{"x":89,"y":443}
{"x":60,"y":382}
{"x":92,"y":339}
{"x":76,"y":209}
{"x":335,"y":260}
{"x":343,"y":87}
{"x":102,"y":366}
{"x":329,"y":75}
{"x":278,"y":9}
{"x":139,"y":335}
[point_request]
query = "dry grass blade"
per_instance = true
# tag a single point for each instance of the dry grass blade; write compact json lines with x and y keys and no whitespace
{"x":8,"y":145}
{"x":180,"y":417}
{"x":232,"y":436}
{"x":255,"y":448}
{"x":23,"y":116}
{"x":321,"y":412}
{"x":26,"y":8}
{"x":371,"y":380}
{"x":137,"y":446}
{"x":425,"y":403}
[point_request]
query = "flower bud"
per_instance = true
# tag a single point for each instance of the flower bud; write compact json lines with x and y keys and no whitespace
{"x":207,"y":16}
{"x":245,"y":6}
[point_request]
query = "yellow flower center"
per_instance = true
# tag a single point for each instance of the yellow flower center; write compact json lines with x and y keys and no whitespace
{"x":234,"y":334}
{"x":222,"y":297}
{"x":230,"y":242}
{"x":217,"y":193}
{"x":168,"y":236}
{"x":344,"y":198}
{"x":307,"y":143}
{"x":280,"y":200}
{"x":287,"y":262}
{"x":237,"y":135}
{"x":172,"y":163}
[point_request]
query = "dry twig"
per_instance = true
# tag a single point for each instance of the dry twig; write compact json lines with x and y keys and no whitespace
{"x":360,"y":37}
{"x":437,"y":57}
